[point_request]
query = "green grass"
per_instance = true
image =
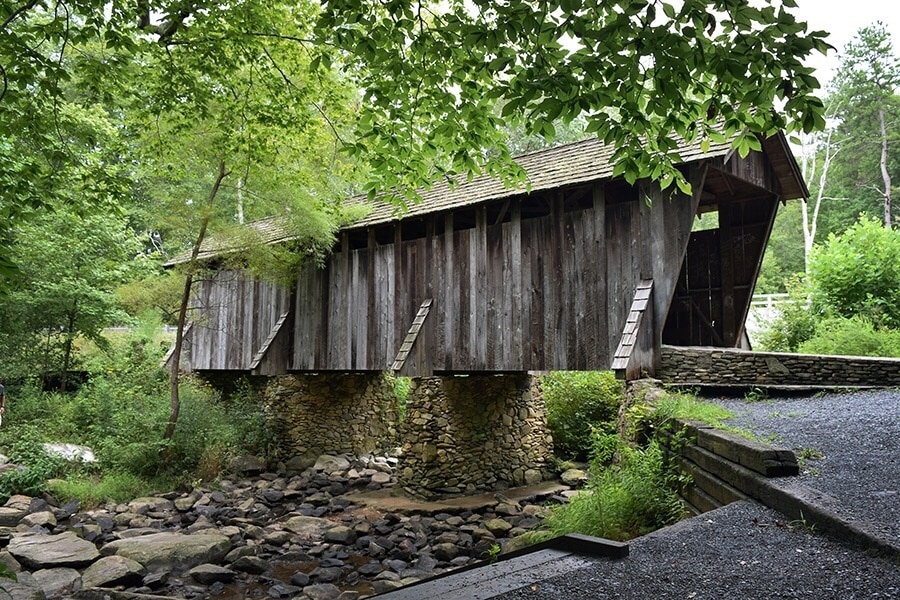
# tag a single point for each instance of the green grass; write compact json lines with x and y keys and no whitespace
{"x":632,"y":497}
{"x":94,"y":491}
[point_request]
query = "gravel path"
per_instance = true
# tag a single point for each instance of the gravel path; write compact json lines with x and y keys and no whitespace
{"x":849,"y":445}
{"x":740,"y":551}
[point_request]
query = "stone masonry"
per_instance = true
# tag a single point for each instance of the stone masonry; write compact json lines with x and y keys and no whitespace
{"x":315,"y":414}
{"x":721,"y":366}
{"x":466,"y":434}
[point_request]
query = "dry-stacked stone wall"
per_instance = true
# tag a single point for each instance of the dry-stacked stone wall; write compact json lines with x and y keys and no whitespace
{"x":465,"y":434}
{"x":721,"y":366}
{"x":315,"y":414}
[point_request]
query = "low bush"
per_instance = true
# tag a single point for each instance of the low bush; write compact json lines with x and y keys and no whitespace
{"x":854,"y":336}
{"x":631,"y":497}
{"x":575,"y":402}
{"x":93,"y":490}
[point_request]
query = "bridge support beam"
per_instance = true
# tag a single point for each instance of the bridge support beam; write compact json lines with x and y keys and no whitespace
{"x":474,"y":433}
{"x":331,"y":413}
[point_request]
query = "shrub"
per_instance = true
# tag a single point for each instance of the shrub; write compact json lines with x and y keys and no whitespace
{"x":629,"y":498}
{"x":854,"y":336}
{"x":858,"y":273}
{"x":575,"y":401}
{"x":795,"y":323}
{"x":26,"y":450}
{"x":92,"y":490}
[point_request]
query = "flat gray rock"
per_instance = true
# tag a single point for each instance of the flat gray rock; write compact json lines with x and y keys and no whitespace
{"x":331,"y":464}
{"x":11,"y":590}
{"x":112,"y":570}
{"x":47,"y":551}
{"x":166,"y":551}
{"x":208,"y":574}
{"x":59,"y":582}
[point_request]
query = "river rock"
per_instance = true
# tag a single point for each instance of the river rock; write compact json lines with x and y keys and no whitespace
{"x":47,"y":551}
{"x":59,"y":582}
{"x":112,"y":570}
{"x":45,"y":519}
{"x":322,"y":591}
{"x":331,"y":464}
{"x":573,"y":477}
{"x":12,"y":590}
{"x":168,"y":551}
{"x":208,"y":574}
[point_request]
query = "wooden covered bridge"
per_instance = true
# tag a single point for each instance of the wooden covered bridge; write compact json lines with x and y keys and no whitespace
{"x":584,"y":272}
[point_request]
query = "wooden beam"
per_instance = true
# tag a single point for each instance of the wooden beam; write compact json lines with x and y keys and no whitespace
{"x":411,"y":336}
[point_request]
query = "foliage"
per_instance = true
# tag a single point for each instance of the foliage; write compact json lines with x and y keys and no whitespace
{"x":629,"y":498}
{"x":646,"y":420}
{"x":93,"y":490}
{"x":25,"y":449}
{"x":121,"y":411}
{"x":69,"y":265}
{"x":858,"y":273}
{"x":575,"y":401}
{"x":853,"y":336}
{"x":794,"y":324}
{"x":431,"y":75}
{"x":401,"y":387}
{"x":867,"y":106}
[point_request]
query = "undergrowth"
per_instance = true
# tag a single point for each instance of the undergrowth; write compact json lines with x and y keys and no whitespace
{"x":631,"y":491}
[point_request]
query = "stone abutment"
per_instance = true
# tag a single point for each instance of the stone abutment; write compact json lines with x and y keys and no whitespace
{"x":474,"y":433}
{"x":460,"y":435}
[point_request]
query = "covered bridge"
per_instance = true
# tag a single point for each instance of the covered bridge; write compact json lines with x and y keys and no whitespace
{"x":583,"y":272}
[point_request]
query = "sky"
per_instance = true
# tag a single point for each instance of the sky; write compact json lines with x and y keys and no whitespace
{"x":843,"y":18}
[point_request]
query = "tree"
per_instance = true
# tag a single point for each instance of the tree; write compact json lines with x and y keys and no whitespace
{"x":70,"y":264}
{"x":639,"y":71}
{"x":865,"y":93}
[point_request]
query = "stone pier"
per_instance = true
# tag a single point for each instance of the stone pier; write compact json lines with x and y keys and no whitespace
{"x":332,"y":413}
{"x":474,"y":433}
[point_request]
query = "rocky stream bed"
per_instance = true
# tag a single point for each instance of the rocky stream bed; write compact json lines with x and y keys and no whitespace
{"x":331,"y":531}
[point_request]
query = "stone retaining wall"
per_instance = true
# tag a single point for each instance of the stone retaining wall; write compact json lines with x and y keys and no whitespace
{"x":725,"y":366}
{"x":464,"y":434}
{"x":332,"y":413}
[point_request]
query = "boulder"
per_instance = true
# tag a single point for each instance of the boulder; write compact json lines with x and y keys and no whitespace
{"x":573,"y":477}
{"x":208,"y":574}
{"x":498,"y":527}
{"x":59,"y":582}
{"x":340,"y":535}
{"x":12,"y":590}
{"x":112,"y":570}
{"x":307,"y":526}
{"x":247,"y":464}
{"x":44,"y":519}
{"x":142,"y":506}
{"x":46,"y":551}
{"x":330,"y":463}
{"x":445,"y":552}
{"x":168,"y":551}
{"x":72,"y":452}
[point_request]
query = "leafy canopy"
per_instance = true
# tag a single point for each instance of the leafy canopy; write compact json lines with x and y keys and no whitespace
{"x":640,"y":72}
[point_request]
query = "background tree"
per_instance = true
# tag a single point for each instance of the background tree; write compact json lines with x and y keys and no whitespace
{"x":867,"y":106}
{"x":70,"y":264}
{"x":638,"y":71}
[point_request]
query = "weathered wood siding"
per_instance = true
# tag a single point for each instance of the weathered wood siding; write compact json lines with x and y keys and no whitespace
{"x":237,"y":317}
{"x":537,"y":283}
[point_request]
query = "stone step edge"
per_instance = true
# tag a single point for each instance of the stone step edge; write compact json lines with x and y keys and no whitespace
{"x":762,"y":458}
{"x":799,"y":503}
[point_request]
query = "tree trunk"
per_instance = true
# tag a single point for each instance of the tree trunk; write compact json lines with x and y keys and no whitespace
{"x":885,"y":176}
{"x":175,"y":377}
{"x":67,"y":349}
